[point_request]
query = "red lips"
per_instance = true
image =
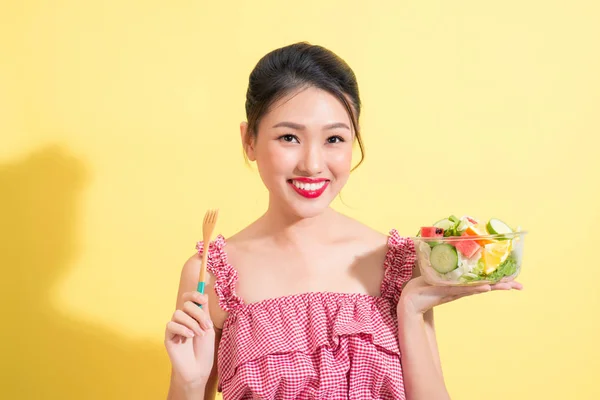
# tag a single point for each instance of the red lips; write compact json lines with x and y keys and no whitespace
{"x":310,"y":193}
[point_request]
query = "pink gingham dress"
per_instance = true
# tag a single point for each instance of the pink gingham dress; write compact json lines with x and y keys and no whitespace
{"x":312,"y":345}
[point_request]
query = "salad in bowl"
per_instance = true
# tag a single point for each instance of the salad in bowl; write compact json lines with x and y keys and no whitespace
{"x":463,"y":251}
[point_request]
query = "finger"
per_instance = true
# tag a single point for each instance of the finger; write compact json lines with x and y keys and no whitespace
{"x":517,"y":285}
{"x":470,"y":291}
{"x":467,"y":290}
{"x":174,"y":329}
{"x":507,"y":286}
{"x":501,"y":286}
{"x":481,"y":289}
{"x":198,"y":314}
{"x":182,"y":318}
{"x":195,"y":297}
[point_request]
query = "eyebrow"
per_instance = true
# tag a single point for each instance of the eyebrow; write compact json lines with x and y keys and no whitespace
{"x":299,"y":127}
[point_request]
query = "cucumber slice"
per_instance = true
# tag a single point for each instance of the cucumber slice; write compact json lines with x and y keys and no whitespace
{"x":445,"y":224}
{"x":497,"y":227}
{"x":444,"y":258}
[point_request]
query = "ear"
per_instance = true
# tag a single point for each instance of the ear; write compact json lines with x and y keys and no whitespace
{"x":247,"y":141}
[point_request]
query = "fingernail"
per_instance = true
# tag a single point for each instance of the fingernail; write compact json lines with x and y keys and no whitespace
{"x":191,"y":333}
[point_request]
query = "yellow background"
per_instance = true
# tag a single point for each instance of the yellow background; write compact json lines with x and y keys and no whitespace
{"x":119,"y":127}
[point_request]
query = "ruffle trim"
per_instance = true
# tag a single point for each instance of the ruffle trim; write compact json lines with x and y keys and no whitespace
{"x":299,"y":324}
{"x":225,"y":275}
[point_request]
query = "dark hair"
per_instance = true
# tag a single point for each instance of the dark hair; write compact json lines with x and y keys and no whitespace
{"x":301,"y":65}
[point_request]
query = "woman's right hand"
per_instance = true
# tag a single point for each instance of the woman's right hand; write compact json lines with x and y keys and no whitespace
{"x":190,"y":340}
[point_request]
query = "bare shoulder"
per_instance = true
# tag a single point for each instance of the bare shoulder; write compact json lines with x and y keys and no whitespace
{"x":373,"y":240}
{"x":243,"y":242}
{"x":190,"y":274}
{"x":362,"y":233}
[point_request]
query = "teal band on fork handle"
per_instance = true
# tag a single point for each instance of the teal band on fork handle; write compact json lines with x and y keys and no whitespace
{"x":201,"y":290}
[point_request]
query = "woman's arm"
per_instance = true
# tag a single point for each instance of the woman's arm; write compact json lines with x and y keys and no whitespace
{"x":430,"y":329}
{"x":420,"y":354}
{"x":178,"y":389}
{"x":423,"y":378}
{"x":210,"y":391}
{"x":421,"y":364}
{"x":432,"y":337}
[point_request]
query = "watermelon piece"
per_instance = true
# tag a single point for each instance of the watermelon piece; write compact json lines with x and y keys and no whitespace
{"x":467,"y":247}
{"x":473,"y":221}
{"x":431,"y":231}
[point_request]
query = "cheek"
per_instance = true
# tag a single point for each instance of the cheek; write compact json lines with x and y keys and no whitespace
{"x":275,"y":159}
{"x":341,"y":162}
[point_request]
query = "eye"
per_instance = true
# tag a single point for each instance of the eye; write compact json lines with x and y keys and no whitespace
{"x":289,"y":138}
{"x":335,"y":139}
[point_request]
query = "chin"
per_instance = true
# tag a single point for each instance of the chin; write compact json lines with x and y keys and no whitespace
{"x":309,"y":211}
{"x":295,"y":205}
{"x":304,"y":208}
{"x":309,"y":208}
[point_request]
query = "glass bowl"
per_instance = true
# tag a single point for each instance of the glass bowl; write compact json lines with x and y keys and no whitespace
{"x":470,"y":260}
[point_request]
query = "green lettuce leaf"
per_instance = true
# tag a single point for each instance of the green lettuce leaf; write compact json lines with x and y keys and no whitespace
{"x":507,"y":268}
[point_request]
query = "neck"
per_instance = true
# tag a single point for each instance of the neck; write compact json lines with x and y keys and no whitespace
{"x":288,"y":228}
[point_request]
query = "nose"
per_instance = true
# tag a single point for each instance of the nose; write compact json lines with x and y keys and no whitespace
{"x":312,"y":161}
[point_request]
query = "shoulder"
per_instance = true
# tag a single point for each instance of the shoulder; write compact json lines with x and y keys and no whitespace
{"x":190,"y":274}
{"x":400,"y":256}
{"x":397,"y":251}
{"x":245,"y":238}
{"x":361,"y":234}
{"x":191,"y":270}
{"x":251,"y":242}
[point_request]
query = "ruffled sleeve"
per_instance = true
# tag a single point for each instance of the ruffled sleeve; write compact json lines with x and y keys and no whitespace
{"x":399,"y":264}
{"x":225,"y":275}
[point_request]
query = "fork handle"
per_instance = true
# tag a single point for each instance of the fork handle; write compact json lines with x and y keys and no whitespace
{"x":201,"y":290}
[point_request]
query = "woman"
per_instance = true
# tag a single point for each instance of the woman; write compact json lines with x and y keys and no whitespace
{"x":305,"y":302}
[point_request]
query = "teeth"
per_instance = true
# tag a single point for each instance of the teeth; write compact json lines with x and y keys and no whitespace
{"x":308,"y":186}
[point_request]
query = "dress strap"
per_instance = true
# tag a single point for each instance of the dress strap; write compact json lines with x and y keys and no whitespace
{"x":399,"y":263}
{"x":225,"y":275}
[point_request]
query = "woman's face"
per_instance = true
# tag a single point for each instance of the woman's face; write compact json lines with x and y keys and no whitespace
{"x":303,"y":151}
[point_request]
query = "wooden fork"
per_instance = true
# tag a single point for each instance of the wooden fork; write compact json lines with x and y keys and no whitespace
{"x":208,"y":226}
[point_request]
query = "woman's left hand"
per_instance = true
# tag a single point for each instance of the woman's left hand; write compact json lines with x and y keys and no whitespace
{"x":419,"y":297}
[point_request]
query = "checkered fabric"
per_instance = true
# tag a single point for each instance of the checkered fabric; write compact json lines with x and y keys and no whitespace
{"x":312,"y":345}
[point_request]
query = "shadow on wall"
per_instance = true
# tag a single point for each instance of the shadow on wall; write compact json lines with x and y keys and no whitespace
{"x":46,"y":355}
